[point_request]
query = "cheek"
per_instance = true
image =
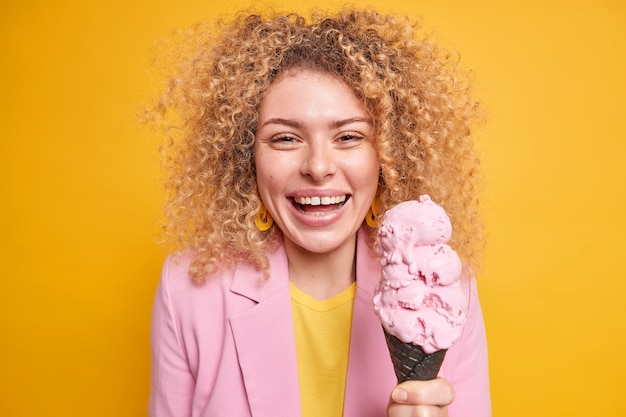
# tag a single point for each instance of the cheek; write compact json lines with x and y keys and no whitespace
{"x":267,"y":178}
{"x":261,"y":168}
{"x":263,"y":182}
{"x":369,"y":167}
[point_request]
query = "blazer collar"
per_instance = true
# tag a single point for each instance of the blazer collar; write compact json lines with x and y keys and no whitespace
{"x":370,"y":377}
{"x":265,"y":341}
{"x":263,"y":288}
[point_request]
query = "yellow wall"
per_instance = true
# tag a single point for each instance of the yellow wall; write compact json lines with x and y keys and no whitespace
{"x":80,"y":199}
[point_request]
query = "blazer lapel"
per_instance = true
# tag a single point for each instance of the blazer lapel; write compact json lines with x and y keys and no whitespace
{"x":265,"y":342}
{"x":370,"y":376}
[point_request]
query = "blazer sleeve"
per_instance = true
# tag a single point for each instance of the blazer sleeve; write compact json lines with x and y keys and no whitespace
{"x":172,"y":383}
{"x":467,"y":368}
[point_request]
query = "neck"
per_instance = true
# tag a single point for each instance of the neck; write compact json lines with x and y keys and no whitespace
{"x":322,"y":275}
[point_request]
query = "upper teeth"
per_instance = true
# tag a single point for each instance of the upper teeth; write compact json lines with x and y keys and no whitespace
{"x":316,"y":201}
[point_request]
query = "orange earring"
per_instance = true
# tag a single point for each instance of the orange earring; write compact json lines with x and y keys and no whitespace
{"x":263,"y":220}
{"x":370,"y":217}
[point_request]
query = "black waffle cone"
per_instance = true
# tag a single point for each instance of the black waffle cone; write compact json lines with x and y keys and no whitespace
{"x":410,"y":362}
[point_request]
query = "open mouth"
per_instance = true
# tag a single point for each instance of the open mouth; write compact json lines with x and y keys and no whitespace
{"x":320,"y":205}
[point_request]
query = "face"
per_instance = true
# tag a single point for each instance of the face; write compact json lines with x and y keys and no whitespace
{"x":317,"y":167}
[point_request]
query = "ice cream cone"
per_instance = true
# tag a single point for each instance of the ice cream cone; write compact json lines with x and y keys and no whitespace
{"x":419,"y":299}
{"x":410,"y":362}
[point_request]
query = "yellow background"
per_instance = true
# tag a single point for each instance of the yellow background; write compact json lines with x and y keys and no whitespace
{"x":80,"y":198}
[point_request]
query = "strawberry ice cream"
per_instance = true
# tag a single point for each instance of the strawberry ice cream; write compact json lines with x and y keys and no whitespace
{"x":419,"y":299}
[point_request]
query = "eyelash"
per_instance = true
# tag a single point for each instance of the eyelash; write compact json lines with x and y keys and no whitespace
{"x":350,"y":136}
{"x":283,"y":138}
{"x":289,"y":139}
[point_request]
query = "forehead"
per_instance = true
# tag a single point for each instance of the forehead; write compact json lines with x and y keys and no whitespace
{"x":298,"y":88}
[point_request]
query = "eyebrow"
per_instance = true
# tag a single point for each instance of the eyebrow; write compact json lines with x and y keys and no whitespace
{"x":341,"y":123}
{"x":336,"y":124}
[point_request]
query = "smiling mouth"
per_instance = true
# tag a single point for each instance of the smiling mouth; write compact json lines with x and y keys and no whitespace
{"x":319,"y":204}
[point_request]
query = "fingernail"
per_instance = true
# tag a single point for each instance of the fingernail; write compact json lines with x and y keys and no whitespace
{"x":399,"y":395}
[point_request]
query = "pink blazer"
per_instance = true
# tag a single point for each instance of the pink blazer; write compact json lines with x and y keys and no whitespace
{"x":227,"y":348}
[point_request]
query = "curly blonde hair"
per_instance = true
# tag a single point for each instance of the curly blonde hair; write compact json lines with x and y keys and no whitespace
{"x":418,"y":97}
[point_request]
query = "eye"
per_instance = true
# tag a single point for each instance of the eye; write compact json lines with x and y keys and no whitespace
{"x":283,"y":141}
{"x":283,"y":138}
{"x":350,"y":138}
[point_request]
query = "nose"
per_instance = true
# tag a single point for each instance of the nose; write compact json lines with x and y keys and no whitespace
{"x":320,"y":161}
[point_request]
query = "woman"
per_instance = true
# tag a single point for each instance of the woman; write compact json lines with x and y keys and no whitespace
{"x":287,"y":134}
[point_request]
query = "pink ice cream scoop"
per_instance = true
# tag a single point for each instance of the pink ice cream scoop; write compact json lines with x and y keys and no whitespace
{"x":419,"y":299}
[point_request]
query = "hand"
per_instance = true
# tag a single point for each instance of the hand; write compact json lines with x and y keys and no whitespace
{"x":421,"y":399}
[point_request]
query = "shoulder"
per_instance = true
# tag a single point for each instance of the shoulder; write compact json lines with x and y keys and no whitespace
{"x":187,"y":300}
{"x":176,"y":279}
{"x":226,"y":291}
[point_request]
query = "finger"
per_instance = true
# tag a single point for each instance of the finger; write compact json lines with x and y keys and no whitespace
{"x":434,"y":392}
{"x":404,"y":410}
